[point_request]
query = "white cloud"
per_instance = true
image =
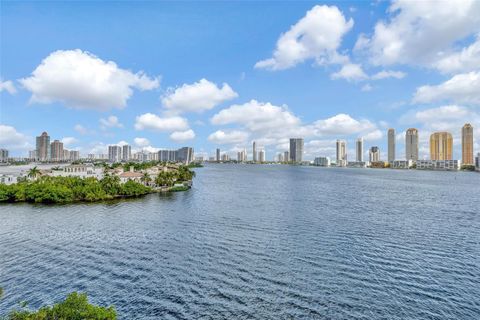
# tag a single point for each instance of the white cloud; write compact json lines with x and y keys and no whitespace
{"x":11,"y":139}
{"x":83,"y":81}
{"x":367,"y":87}
{"x":462,"y":61}
{"x":153,"y":122}
{"x":343,"y":124}
{"x":350,"y":72}
{"x":461,"y":88}
{"x":316,"y":36}
{"x":81,"y":129}
{"x":388,"y":74}
{"x":122,"y":143}
{"x":197,"y":97}
{"x":110,"y":122}
{"x":7,"y":86}
{"x":68,"y":141}
{"x":141,"y":142}
{"x":420,"y":32}
{"x":228,"y":137}
{"x":181,"y":136}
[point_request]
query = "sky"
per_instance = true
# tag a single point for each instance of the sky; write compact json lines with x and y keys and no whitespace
{"x":223,"y":74}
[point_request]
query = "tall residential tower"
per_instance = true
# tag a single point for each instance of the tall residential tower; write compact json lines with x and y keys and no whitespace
{"x":43,"y":147}
{"x":296,"y":150}
{"x":467,"y":144}
{"x":359,"y":150}
{"x":391,"y":145}
{"x":341,"y":153}
{"x":441,"y":146}
{"x":411,"y":144}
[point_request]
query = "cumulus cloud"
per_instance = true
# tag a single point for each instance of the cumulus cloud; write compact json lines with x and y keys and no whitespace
{"x":419,"y":33}
{"x":181,"y":136}
{"x":110,"y":122}
{"x":150,"y":121}
{"x":197,"y":97}
{"x":68,"y":141}
{"x":462,"y":88}
{"x":388,"y":74}
{"x":81,"y":80}
{"x":465,"y":60}
{"x":11,"y":139}
{"x":366,"y":87}
{"x":228,"y":137}
{"x":141,"y":142}
{"x":7,"y":86}
{"x":350,"y":72}
{"x":316,"y":36}
{"x":342,"y":124}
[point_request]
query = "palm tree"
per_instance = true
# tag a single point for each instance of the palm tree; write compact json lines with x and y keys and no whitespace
{"x":33,"y":173}
{"x":146,"y":179}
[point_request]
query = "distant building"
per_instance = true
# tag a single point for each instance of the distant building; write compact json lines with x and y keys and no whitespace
{"x":3,"y":155}
{"x":374,"y":154}
{"x":341,"y":153}
{"x":441,"y":146}
{"x":322,"y":162}
{"x":438,"y":165}
{"x":296,"y":150}
{"x":286,"y":156}
{"x":74,"y":155}
{"x":218,"y":155}
{"x":359,"y":149}
{"x":467,"y":144}
{"x":126,"y":153}
{"x":357,"y":164}
{"x":32,"y":155}
{"x":167,"y":156}
{"x":225,"y":157}
{"x":411,"y":144}
{"x":401,"y":164}
{"x":391,"y":144}
{"x":477,"y":161}
{"x":114,"y":154}
{"x":379,"y":164}
{"x":280,"y":157}
{"x":79,"y":170}
{"x":261,"y":155}
{"x":185,"y":155}
{"x":56,"y":149}
{"x":242,"y":156}
{"x":254,"y":152}
{"x":43,"y":147}
{"x":7,"y":179}
{"x":66,"y":154}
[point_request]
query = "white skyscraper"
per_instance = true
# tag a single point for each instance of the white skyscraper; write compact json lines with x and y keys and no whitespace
{"x":114,"y":154}
{"x":411,"y":144}
{"x":359,"y":150}
{"x":391,"y":145}
{"x":126,"y":152}
{"x":341,"y":153}
{"x":261,"y":155}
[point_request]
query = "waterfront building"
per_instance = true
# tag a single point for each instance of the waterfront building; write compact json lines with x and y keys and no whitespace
{"x":184,"y":155}
{"x":74,"y":155}
{"x":341,"y":153}
{"x":43,"y":147}
{"x":401,"y":164}
{"x":357,"y":164}
{"x":379,"y":164}
{"x":467,"y":144}
{"x":130,"y":175}
{"x":322,"y":161}
{"x":359,"y":150}
{"x":286,"y":156}
{"x":199,"y":158}
{"x":242,"y":156}
{"x":477,"y":162}
{"x":446,"y":165}
{"x":56,"y":149}
{"x":167,"y":156}
{"x":374,"y":154}
{"x":296,"y":149}
{"x":441,"y":146}
{"x":79,"y":170}
{"x":218,"y":155}
{"x":8,"y":179}
{"x":254,"y":152}
{"x":3,"y":155}
{"x":32,"y":155}
{"x":261,"y":155}
{"x":411,"y":144}
{"x":225,"y":157}
{"x":391,"y":144}
{"x":66,"y":154}
{"x":114,"y":154}
{"x":126,"y":153}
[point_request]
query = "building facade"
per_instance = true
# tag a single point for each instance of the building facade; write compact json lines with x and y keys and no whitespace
{"x":217,"y":158}
{"x":286,"y":156}
{"x":296,"y":150}
{"x":114,"y":154}
{"x":441,"y":146}
{"x":254,"y":152}
{"x":322,"y":162}
{"x":261,"y":155}
{"x":445,"y":165}
{"x":467,"y":144}
{"x":341,"y":153}
{"x":126,"y":153}
{"x":391,"y":144}
{"x":411,"y":144}
{"x":374,"y":154}
{"x":359,"y":150}
{"x":3,"y":155}
{"x":43,"y":147}
{"x":56,"y":149}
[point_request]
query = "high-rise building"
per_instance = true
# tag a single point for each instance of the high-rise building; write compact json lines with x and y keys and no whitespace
{"x":254,"y":151}
{"x":32,"y":155}
{"x":261,"y":155}
{"x":43,"y":147}
{"x":126,"y":153}
{"x":185,"y":155}
{"x":218,"y":155}
{"x":167,"y":156}
{"x":391,"y":144}
{"x":411,"y":144}
{"x":56,"y":149}
{"x":359,"y":150}
{"x":296,"y":150}
{"x":66,"y":154}
{"x":3,"y":155}
{"x":280,"y":157}
{"x":374,"y":154}
{"x":477,"y":161}
{"x":286,"y":156}
{"x":341,"y":153}
{"x":322,"y":162}
{"x":441,"y":146}
{"x":467,"y":144}
{"x":114,"y":154}
{"x":74,"y":155}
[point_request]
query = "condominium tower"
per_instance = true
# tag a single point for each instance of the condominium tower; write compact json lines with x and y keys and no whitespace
{"x":254,"y":151}
{"x":296,"y":149}
{"x":286,"y":156}
{"x":411,"y":144}
{"x":126,"y":152}
{"x":441,"y":146}
{"x":217,"y":157}
{"x":391,"y":145}
{"x":374,"y":154}
{"x":114,"y":154}
{"x":467,"y":144}
{"x":261,"y":155}
{"x":43,"y":147}
{"x":341,"y":153}
{"x":56,"y":149}
{"x":359,"y":149}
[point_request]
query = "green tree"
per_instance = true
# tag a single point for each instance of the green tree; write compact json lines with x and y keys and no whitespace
{"x":33,"y":173}
{"x":146,"y":179}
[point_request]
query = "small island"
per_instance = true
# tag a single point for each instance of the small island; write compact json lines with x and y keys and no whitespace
{"x":90,"y":182}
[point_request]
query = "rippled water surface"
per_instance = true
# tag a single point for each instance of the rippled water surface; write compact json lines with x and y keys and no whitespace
{"x":259,"y":242}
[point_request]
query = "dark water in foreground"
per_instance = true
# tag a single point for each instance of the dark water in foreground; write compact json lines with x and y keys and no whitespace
{"x":259,"y":242}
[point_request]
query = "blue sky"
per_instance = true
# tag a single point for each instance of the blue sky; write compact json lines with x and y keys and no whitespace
{"x":222,"y":74}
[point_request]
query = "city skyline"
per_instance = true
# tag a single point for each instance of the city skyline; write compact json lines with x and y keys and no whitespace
{"x":253,"y":92}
